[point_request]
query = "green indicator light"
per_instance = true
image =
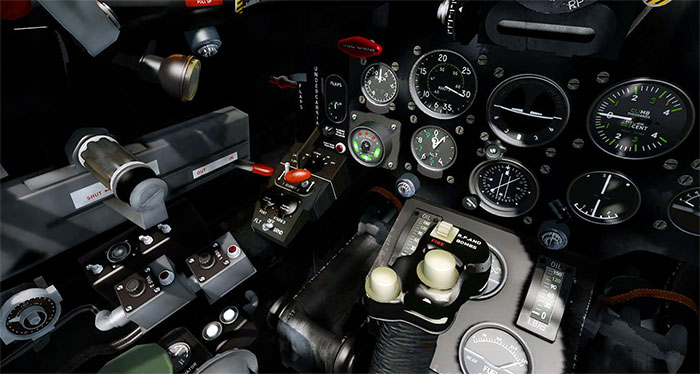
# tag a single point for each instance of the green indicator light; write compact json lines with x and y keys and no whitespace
{"x":663,"y":140}
{"x":662,"y":94}
{"x":366,"y":158}
{"x":612,"y":141}
{"x":600,"y":127}
{"x":354,"y":145}
{"x":611,"y":100}
{"x":376,"y":152}
{"x":677,"y":109}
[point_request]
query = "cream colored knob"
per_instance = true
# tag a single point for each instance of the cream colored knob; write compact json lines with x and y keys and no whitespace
{"x":383,"y":285}
{"x":438,"y":270}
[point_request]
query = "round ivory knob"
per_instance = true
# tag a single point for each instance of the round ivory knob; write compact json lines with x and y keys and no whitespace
{"x":383,"y":284}
{"x":438,"y":270}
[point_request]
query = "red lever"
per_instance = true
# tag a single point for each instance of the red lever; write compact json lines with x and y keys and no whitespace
{"x":14,"y":10}
{"x":297,"y":175}
{"x":359,"y":47}
{"x":262,"y":169}
{"x":198,"y":3}
{"x":283,"y":82}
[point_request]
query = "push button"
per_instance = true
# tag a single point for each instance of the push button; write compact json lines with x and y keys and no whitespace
{"x":445,"y":231}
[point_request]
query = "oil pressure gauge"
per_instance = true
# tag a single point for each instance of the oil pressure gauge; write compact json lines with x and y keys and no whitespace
{"x":604,"y":197}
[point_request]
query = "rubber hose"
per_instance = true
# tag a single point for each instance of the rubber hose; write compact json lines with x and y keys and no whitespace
{"x":402,"y":348}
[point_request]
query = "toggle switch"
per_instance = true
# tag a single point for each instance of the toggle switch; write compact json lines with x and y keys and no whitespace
{"x":445,"y":231}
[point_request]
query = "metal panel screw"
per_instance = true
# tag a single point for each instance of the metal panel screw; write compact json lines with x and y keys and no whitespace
{"x":695,"y":164}
{"x":484,"y":136}
{"x":202,"y":279}
{"x":156,"y":290}
{"x":578,"y":143}
{"x":392,"y":107}
{"x":459,"y":130}
{"x":498,"y":72}
{"x":550,"y":152}
{"x":361,"y":99}
{"x":128,"y":308}
{"x":660,"y":224}
{"x":120,"y":287}
{"x":390,"y":165}
{"x":482,"y":60}
{"x":408,"y":166}
{"x":190,"y":261}
{"x":671,"y":164}
{"x":395,"y":66}
{"x":480,"y":152}
{"x":450,"y":179}
{"x":471,"y":119}
{"x":411,"y":105}
{"x":603,"y":77}
{"x":544,"y":169}
{"x":417,"y":50}
{"x":573,"y":84}
{"x":527,"y":220}
{"x":363,"y":61}
{"x":354,"y":117}
{"x":393,"y":127}
{"x":685,"y":180}
{"x":413,"y":118}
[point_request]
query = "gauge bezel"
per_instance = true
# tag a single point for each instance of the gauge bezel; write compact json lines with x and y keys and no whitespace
{"x":369,"y":97}
{"x":519,"y":143}
{"x":358,"y":159}
{"x":188,"y":349}
{"x":668,"y":210}
{"x":432,"y":168}
{"x":682,"y":94}
{"x":494,"y":325}
{"x":485,"y":202}
{"x":345,"y":85}
{"x":589,"y":219}
{"x":419,"y":103}
{"x":504,"y":268}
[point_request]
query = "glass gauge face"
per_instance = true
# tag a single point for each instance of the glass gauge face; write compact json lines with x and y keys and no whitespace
{"x":641,"y":119}
{"x":443,"y":84}
{"x":497,"y":277}
{"x":336,"y":98}
{"x":379,"y":84}
{"x":528,"y":110}
{"x":489,"y":348}
{"x":180,"y":354}
{"x":366,"y":146}
{"x":604,"y":197}
{"x":684,"y":211}
{"x":434,"y":148}
{"x":506,"y":187}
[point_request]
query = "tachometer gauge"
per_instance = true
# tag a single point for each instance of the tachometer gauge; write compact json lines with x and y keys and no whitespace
{"x":641,"y":119}
{"x":604,"y":197}
{"x":684,"y":211}
{"x":379,"y":84}
{"x":491,"y":348}
{"x":527,"y":110}
{"x":506,"y":187}
{"x":366,"y":146}
{"x":434,"y":148}
{"x":443,"y":84}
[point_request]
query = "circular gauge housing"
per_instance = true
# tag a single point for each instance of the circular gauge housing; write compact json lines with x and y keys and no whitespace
{"x":434,"y":148}
{"x":684,"y":211}
{"x":528,"y":110}
{"x":604,"y":197}
{"x":118,"y":252}
{"x":31,"y":316}
{"x":505,"y":187}
{"x":497,"y":277}
{"x":491,"y":348}
{"x":443,"y":84}
{"x":366,"y":146}
{"x":180,"y":355}
{"x":379,"y":84}
{"x":641,"y":119}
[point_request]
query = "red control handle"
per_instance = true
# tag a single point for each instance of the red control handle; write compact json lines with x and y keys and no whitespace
{"x":297,"y":175}
{"x":359,"y":47}
{"x":262,"y":169}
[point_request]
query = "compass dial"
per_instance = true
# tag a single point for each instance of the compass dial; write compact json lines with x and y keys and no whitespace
{"x":506,"y":187}
{"x":641,"y":119}
{"x":604,"y":197}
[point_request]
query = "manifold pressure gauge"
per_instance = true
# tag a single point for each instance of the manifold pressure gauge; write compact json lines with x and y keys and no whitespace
{"x":506,"y":187}
{"x":380,"y":84}
{"x":641,"y":119}
{"x":30,"y":314}
{"x":604,"y":197}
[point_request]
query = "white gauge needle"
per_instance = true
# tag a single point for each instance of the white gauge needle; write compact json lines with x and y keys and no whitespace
{"x":595,"y":207}
{"x":509,"y":365}
{"x":524,"y":113}
{"x":605,"y":186}
{"x":504,"y":184}
{"x":437,"y":143}
{"x":685,"y":209}
{"x":609,"y":115}
{"x":460,"y":94}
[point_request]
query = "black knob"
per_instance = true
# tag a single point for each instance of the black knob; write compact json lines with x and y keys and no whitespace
{"x":206,"y":260}
{"x":135,"y":287}
{"x":366,"y":145}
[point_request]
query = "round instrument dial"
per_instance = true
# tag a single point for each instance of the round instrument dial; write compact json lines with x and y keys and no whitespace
{"x":443,"y":84}
{"x":180,"y":355}
{"x":31,"y":316}
{"x":379,"y":84}
{"x":497,"y":277}
{"x":506,"y":187}
{"x":684,"y":211}
{"x":641,"y":119}
{"x":528,"y":110}
{"x":434,"y":148}
{"x":604,"y":197}
{"x":366,"y":146}
{"x":491,"y":348}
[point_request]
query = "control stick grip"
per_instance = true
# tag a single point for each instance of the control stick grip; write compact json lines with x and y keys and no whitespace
{"x":402,"y":348}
